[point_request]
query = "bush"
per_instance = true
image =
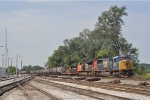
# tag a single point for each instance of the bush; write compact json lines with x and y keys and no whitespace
{"x":147,"y":76}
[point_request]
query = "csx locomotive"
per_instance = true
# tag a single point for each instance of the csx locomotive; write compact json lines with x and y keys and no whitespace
{"x":120,"y":66}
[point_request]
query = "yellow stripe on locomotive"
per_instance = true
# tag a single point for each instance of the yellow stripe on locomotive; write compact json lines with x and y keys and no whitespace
{"x":125,"y":65}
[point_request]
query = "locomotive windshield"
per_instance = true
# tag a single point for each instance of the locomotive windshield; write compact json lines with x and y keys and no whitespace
{"x":89,"y":63}
{"x":99,"y":61}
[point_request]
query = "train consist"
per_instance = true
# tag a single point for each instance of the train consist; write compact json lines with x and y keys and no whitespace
{"x":117,"y":66}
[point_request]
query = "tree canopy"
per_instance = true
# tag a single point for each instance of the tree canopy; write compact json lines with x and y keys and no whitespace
{"x":105,"y":40}
{"x":11,"y":70}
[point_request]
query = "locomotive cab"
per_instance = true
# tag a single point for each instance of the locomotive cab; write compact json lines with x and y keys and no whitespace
{"x":123,"y":65}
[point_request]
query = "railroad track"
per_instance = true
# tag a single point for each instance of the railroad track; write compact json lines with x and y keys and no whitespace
{"x":126,"y":88}
{"x":117,"y":87}
{"x":120,"y":87}
{"x":89,"y":93}
{"x":30,"y":97}
{"x":137,"y":90}
{"x":24,"y":92}
{"x":44,"y":92}
{"x":12,"y":85}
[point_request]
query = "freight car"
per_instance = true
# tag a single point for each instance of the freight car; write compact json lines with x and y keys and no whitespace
{"x":70,"y":71}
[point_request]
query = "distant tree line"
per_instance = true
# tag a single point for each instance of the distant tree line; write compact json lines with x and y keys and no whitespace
{"x":142,"y":69}
{"x":11,"y":70}
{"x":31,"y":68}
{"x":105,"y":40}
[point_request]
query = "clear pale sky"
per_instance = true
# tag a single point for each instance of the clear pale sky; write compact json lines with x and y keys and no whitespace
{"x":37,"y":28}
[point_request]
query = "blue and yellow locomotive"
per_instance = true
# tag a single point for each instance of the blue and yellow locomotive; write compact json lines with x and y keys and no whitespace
{"x":118,"y":66}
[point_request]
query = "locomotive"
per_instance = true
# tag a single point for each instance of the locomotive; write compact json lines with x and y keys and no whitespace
{"x":117,"y":66}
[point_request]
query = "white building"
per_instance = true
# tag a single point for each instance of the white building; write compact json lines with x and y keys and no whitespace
{"x":3,"y":73}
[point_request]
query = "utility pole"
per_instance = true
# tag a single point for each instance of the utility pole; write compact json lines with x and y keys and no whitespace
{"x":2,"y":61}
{"x":6,"y":49}
{"x":21,"y":65}
{"x":8,"y":68}
{"x":9,"y":61}
{"x":16,"y":66}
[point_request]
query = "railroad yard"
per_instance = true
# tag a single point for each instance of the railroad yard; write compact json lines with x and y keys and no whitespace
{"x":68,"y":50}
{"x":59,"y":87}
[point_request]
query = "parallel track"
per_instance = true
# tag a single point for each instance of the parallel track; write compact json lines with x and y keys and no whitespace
{"x":44,"y":92}
{"x":12,"y":85}
{"x":26,"y":94}
{"x":89,"y":93}
{"x":116,"y":87}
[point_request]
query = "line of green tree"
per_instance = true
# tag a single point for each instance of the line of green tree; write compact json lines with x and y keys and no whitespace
{"x":105,"y":40}
{"x":31,"y":68}
{"x":11,"y":70}
{"x":142,"y":69}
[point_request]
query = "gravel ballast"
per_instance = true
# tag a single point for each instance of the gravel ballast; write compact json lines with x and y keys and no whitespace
{"x":110,"y":92}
